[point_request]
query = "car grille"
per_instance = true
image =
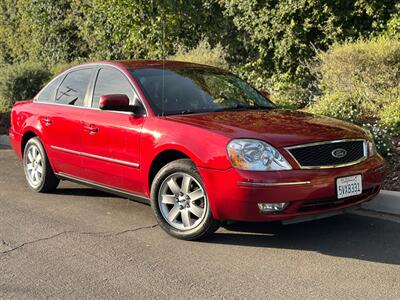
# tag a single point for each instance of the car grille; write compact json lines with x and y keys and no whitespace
{"x":321,"y":155}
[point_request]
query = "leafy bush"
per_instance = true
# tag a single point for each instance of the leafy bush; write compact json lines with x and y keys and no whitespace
{"x":357,"y":81}
{"x":203,"y":53}
{"x":61,"y":67}
{"x":120,"y":29}
{"x":290,"y":93}
{"x":21,"y":81}
{"x":368,"y":69}
{"x":382,"y":136}
{"x":393,"y":26}
{"x":280,"y":35}
{"x":338,"y":105}
{"x":390,"y":116}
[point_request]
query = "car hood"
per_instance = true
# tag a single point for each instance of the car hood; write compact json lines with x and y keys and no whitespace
{"x":275,"y":126}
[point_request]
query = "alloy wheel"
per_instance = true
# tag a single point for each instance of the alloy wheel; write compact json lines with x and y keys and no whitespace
{"x":182,"y":201}
{"x":34,"y":164}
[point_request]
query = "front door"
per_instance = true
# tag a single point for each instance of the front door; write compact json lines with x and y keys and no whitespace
{"x":111,"y":139}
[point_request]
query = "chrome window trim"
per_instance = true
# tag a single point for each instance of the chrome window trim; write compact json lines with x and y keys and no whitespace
{"x":85,"y":107}
{"x":96,"y":66}
{"x":108,"y":159}
{"x":268,"y":184}
{"x":365,"y":156}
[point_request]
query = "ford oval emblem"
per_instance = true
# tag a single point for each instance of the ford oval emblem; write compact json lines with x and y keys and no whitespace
{"x":339,"y":153}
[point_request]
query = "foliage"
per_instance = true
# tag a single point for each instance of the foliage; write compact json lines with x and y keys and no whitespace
{"x":203,"y":53}
{"x":358,"y":80}
{"x":290,"y":93}
{"x":61,"y":67}
{"x":121,"y":29}
{"x":279,"y":36}
{"x":393,"y":26}
{"x":390,"y":116}
{"x":382,"y":136}
{"x":39,"y":30}
{"x":308,"y":53}
{"x":339,"y":105}
{"x":21,"y":81}
{"x":365,"y":72}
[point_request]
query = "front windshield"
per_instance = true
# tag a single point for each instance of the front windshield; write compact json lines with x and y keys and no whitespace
{"x":175,"y":91}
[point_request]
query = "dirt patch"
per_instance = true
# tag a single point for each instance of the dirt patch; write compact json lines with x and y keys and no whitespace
{"x":392,"y":181}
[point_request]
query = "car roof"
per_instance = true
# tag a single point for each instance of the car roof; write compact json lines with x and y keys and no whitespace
{"x":134,"y":64}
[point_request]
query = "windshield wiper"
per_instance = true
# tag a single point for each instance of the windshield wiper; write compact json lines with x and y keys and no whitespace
{"x":242,"y":107}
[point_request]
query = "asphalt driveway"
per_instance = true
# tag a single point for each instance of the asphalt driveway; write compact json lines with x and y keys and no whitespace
{"x":82,"y":243}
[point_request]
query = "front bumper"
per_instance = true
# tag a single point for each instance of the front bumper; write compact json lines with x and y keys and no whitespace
{"x":234,"y":194}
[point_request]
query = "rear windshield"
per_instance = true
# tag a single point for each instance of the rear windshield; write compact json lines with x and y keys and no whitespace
{"x":174,"y":91}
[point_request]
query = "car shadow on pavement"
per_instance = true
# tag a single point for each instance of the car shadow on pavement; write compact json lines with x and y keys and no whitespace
{"x":350,"y":236}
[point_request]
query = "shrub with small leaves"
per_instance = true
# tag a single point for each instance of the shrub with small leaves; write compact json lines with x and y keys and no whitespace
{"x":339,"y":105}
{"x":360,"y":83}
{"x":390,"y":116}
{"x":203,"y":53}
{"x":21,"y":81}
{"x":382,"y":137}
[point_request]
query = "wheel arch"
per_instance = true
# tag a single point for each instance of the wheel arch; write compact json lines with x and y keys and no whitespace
{"x":160,"y":160}
{"x":25,"y":138}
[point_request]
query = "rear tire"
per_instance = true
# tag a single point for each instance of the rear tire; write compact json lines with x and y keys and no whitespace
{"x":38,"y":171}
{"x":180,"y":203}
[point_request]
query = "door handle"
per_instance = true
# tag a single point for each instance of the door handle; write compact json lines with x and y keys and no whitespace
{"x":46,"y":121}
{"x":91,"y":128}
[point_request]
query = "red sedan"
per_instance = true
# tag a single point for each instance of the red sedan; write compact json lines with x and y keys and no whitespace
{"x":198,"y":143}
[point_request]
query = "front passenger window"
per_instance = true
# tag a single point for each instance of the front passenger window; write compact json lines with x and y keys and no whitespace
{"x":110,"y":82}
{"x":73,"y":89}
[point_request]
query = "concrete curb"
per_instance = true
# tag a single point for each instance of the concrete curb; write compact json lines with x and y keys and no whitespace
{"x":4,"y":140}
{"x":385,"y":202}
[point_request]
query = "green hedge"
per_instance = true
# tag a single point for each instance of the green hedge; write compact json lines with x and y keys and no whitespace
{"x":21,"y":81}
{"x":203,"y":53}
{"x":360,"y":82}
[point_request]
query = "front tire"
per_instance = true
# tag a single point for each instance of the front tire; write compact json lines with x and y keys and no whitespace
{"x":38,"y":172}
{"x":180,"y":203}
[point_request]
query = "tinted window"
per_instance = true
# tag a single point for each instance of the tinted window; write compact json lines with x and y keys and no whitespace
{"x":48,"y":93}
{"x":194,"y":90}
{"x":110,"y":82}
{"x":73,"y":89}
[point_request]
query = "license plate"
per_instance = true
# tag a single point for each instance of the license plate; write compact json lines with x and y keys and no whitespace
{"x":349,"y":186}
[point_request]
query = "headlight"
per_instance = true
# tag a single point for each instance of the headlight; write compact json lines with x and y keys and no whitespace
{"x":255,"y":155}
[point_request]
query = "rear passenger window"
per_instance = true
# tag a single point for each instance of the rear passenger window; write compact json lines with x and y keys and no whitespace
{"x":73,"y":89}
{"x":111,"y":82}
{"x":49,"y":92}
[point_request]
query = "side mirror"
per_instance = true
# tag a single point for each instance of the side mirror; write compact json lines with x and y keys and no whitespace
{"x":116,"y":102}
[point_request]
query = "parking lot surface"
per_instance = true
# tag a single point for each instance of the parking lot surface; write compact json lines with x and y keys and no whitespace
{"x":81,"y":243}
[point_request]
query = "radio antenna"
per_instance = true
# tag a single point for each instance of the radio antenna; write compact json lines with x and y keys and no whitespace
{"x":163,"y":59}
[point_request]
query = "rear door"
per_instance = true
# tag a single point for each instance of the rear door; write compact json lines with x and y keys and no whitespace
{"x":110,"y":141}
{"x":62,"y":121}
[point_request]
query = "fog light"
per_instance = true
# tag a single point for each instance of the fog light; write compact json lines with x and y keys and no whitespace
{"x":272,"y":207}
